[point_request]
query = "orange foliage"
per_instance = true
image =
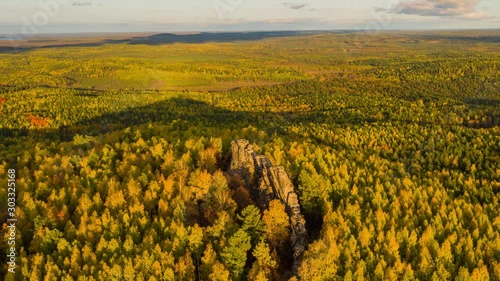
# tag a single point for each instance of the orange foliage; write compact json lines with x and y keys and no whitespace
{"x":38,"y":121}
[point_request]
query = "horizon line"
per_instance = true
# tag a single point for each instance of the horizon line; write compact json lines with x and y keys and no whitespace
{"x":6,"y":35}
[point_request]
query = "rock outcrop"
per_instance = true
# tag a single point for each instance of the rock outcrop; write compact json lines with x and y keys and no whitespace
{"x":268,"y":182}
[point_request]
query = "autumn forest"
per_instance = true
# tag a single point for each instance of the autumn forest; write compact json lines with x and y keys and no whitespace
{"x":122,"y":146}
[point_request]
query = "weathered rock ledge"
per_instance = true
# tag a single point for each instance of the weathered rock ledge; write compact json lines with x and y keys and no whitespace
{"x":270,"y":182}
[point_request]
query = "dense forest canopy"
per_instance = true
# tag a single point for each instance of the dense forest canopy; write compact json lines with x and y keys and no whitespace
{"x":121,"y":153}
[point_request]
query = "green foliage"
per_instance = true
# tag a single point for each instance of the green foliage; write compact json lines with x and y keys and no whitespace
{"x":262,"y":254}
{"x":234,"y":255}
{"x":251,"y":222}
{"x":81,"y":140}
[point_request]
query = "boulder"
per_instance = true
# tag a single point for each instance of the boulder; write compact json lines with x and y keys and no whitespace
{"x":270,"y":182}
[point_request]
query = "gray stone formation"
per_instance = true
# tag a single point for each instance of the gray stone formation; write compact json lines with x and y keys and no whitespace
{"x":270,"y":182}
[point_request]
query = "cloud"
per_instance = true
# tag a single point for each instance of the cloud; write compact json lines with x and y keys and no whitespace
{"x":295,"y":6}
{"x":82,"y":4}
{"x":463,"y":9}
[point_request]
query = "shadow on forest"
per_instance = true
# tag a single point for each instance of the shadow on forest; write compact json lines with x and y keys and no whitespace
{"x":198,"y":114}
{"x":465,"y":38}
{"x":28,"y":44}
{"x":494,"y":103}
{"x":201,"y":114}
{"x":157,"y":39}
{"x":84,"y":92}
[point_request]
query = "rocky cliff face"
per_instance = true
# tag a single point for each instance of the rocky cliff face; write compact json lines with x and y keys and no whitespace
{"x":270,"y":182}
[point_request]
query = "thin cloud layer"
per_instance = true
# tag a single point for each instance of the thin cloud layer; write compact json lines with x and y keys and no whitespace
{"x":295,"y":6}
{"x":464,"y":9}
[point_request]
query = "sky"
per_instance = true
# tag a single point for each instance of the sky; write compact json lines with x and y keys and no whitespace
{"x":27,"y":17}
